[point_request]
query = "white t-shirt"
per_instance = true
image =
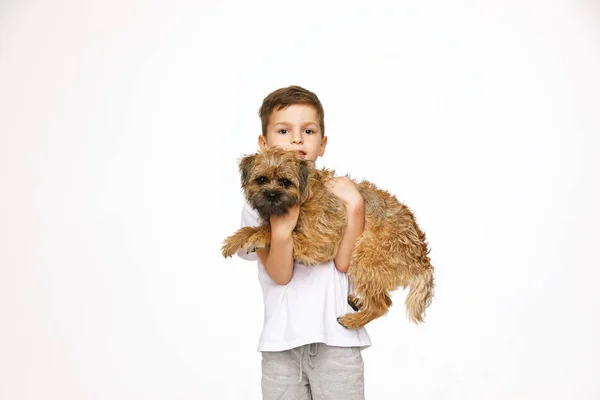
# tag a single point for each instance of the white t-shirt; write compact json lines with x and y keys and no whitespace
{"x":306,"y":309}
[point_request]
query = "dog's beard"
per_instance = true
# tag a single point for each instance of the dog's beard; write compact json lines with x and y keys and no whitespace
{"x":268,"y":207}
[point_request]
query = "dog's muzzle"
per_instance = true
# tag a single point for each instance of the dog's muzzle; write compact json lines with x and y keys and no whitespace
{"x":273,"y":195}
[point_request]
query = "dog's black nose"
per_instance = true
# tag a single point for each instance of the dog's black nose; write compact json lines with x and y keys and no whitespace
{"x":273,"y":195}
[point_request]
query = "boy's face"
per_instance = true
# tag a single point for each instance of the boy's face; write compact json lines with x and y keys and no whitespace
{"x":295,"y":128}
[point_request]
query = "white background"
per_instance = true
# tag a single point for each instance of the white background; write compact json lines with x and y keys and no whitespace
{"x":121,"y":123}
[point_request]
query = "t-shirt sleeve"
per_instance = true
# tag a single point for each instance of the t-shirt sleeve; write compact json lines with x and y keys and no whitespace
{"x":249,"y":218}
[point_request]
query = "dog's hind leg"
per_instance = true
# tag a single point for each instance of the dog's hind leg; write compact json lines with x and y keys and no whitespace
{"x":388,"y":300}
{"x":370,"y":309}
{"x":354,"y":302}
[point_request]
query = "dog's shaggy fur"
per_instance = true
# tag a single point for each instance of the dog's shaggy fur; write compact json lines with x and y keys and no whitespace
{"x":392,"y":251}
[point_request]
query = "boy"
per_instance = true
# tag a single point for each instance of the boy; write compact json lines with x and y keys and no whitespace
{"x":306,"y":353}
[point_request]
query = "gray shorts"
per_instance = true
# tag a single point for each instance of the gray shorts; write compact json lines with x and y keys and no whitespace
{"x":313,"y":371}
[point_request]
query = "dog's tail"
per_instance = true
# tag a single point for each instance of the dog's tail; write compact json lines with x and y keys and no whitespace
{"x":420,"y":295}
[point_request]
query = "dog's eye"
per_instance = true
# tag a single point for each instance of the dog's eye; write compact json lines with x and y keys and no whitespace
{"x":261,"y":180}
{"x":286,"y":182}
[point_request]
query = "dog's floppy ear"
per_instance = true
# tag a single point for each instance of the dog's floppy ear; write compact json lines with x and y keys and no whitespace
{"x":303,"y":172}
{"x":245,"y":167}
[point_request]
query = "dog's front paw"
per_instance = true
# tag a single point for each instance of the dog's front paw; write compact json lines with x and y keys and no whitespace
{"x":259,"y":240}
{"x":229,"y":248}
{"x":249,"y":248}
{"x":236,"y":241}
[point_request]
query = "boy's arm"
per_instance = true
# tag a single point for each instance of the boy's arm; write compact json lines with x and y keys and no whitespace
{"x":356,"y":223}
{"x":345,"y":189}
{"x":278,"y":260}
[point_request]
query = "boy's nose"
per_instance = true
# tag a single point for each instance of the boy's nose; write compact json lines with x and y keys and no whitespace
{"x":296,"y":138}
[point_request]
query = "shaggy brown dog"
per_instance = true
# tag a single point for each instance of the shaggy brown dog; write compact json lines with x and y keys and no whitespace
{"x":392,"y":251}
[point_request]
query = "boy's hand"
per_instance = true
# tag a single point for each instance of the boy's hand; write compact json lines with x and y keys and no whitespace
{"x":282,"y":226}
{"x":345,"y":189}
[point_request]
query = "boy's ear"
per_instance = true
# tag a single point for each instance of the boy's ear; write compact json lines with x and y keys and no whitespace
{"x":262,"y":142}
{"x":246,"y":164}
{"x":323,"y":146}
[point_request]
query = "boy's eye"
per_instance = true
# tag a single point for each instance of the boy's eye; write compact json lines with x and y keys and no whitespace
{"x":282,"y":131}
{"x":261,"y":180}
{"x":286,"y":182}
{"x":309,"y":131}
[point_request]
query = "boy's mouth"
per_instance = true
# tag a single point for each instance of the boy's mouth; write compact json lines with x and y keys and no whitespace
{"x":301,"y":153}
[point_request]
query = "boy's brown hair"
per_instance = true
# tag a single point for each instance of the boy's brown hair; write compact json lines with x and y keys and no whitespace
{"x":284,"y":97}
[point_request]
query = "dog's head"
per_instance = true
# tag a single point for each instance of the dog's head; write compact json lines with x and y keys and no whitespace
{"x":274,"y":180}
